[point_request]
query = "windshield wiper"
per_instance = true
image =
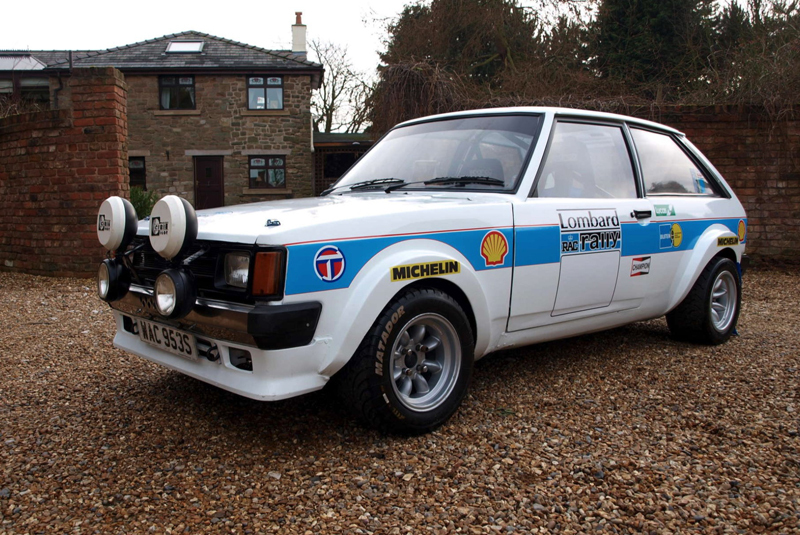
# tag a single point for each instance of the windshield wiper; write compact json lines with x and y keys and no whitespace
{"x":365,"y":184}
{"x":483,"y":180}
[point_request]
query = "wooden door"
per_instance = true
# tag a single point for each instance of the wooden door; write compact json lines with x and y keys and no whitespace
{"x":208,"y":182}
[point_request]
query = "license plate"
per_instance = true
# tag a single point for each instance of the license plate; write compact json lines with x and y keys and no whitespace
{"x":164,"y":337}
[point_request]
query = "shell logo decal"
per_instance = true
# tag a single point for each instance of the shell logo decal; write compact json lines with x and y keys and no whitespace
{"x":494,"y":248}
{"x":741,"y":230}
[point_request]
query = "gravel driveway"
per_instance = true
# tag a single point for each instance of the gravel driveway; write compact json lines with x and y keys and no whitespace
{"x":623,"y":431}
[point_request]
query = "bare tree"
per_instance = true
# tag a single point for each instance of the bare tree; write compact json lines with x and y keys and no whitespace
{"x":340,"y":102}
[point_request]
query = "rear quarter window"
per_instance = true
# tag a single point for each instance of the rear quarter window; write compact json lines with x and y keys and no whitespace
{"x":667,"y":169}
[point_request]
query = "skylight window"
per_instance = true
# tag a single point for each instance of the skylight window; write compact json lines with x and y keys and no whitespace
{"x":185,"y":47}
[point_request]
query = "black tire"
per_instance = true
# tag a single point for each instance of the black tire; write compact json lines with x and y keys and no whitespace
{"x":418,"y":318}
{"x":697,"y":319}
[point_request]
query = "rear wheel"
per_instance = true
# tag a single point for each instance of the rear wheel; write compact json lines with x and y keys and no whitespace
{"x":414,"y":365}
{"x":708,"y":315}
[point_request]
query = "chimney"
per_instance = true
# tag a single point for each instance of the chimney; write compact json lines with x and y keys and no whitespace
{"x":299,"y":34}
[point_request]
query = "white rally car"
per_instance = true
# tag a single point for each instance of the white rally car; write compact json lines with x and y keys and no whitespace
{"x":453,"y":237}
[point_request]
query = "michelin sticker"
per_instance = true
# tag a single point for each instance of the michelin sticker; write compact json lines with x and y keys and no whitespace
{"x":589,"y":231}
{"x":640,"y":266}
{"x":727,"y":241}
{"x":427,"y":269}
{"x":670,"y":236}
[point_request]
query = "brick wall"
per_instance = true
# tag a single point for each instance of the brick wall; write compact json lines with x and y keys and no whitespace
{"x":221,"y":125}
{"x":760,"y":159}
{"x":56,"y":168}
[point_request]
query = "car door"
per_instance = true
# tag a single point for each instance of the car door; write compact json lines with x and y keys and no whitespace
{"x":570,"y":233}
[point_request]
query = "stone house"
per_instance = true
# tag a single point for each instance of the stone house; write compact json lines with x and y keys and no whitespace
{"x":213,"y":120}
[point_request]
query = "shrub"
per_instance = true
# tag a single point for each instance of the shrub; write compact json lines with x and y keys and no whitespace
{"x":143,"y":201}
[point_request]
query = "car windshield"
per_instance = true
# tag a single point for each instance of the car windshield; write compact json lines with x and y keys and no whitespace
{"x":476,"y":153}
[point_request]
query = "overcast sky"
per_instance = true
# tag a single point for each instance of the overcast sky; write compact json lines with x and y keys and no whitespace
{"x":95,"y":25}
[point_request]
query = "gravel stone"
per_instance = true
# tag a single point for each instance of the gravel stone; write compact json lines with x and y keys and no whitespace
{"x":625,"y":431}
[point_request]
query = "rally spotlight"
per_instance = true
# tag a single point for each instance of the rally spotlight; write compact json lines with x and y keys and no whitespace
{"x":173,"y":226}
{"x":113,"y":280}
{"x":174,"y":293}
{"x":116,"y":223}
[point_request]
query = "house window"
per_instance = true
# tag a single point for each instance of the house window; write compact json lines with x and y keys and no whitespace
{"x":267,"y":172}
{"x":138,"y":172}
{"x":177,"y":92}
{"x":185,"y":47}
{"x":265,"y":92}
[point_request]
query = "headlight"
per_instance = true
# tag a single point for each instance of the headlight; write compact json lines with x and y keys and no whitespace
{"x":174,"y":293}
{"x":113,"y":280}
{"x":237,"y":269}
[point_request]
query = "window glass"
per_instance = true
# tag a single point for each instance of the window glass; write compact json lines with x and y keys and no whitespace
{"x":666,"y":168}
{"x":587,"y":161}
{"x":138,"y":172}
{"x":185,"y":47}
{"x":264,"y":93}
{"x":177,"y":93}
{"x":492,"y":147}
{"x":267,"y":172}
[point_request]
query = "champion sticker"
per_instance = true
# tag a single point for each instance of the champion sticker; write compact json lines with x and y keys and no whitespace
{"x":329,"y":263}
{"x":494,"y":248}
{"x":640,"y":266}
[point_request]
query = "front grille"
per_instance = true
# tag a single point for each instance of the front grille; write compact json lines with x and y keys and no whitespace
{"x":146,"y":265}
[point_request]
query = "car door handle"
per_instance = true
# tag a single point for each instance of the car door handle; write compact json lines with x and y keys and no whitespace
{"x":642,"y":214}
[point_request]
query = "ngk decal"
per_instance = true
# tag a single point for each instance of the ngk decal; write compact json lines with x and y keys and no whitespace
{"x":589,"y":231}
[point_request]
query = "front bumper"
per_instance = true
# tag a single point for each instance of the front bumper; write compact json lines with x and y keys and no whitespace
{"x":264,"y":326}
{"x":273,"y":374}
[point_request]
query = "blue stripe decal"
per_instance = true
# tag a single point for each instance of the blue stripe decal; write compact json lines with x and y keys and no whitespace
{"x":529,"y":246}
{"x":301,"y":275}
{"x":537,"y":245}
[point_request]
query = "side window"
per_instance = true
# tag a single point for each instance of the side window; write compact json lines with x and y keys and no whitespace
{"x":587,"y":161}
{"x":177,"y":92}
{"x":666,"y":168}
{"x":264,"y":93}
{"x":138,"y":172}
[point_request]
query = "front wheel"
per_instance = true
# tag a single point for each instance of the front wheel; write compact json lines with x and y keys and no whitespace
{"x":413,"y":367}
{"x":708,"y":315}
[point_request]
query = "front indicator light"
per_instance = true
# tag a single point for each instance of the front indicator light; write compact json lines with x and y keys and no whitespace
{"x":267,"y":274}
{"x":174,"y":293}
{"x":113,"y":280}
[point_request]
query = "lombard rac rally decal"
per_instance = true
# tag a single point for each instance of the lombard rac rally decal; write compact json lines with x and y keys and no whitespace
{"x":329,"y":263}
{"x":589,"y":231}
{"x":494,"y":248}
{"x":640,"y":266}
{"x":670,"y":236}
{"x":427,"y":269}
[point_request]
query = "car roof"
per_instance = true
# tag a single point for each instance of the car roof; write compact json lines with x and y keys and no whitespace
{"x":558,"y":112}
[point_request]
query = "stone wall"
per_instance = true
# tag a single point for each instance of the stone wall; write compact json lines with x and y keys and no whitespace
{"x":760,"y":159}
{"x":56,"y":168}
{"x":221,"y":125}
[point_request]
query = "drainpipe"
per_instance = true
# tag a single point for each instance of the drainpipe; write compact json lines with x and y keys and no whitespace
{"x":56,"y":90}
